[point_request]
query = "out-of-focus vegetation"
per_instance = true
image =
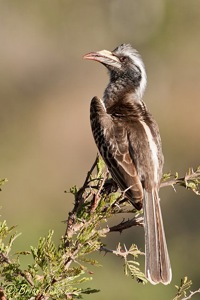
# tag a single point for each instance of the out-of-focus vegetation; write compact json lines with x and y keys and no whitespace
{"x":46,"y":143}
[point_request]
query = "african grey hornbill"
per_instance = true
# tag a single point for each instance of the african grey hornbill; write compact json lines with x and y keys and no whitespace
{"x":128,"y":139}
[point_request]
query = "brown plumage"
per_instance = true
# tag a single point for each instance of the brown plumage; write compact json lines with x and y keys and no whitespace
{"x":128,"y":139}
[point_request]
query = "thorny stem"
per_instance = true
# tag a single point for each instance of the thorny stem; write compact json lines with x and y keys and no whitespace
{"x":191,"y":294}
{"x":26,"y":275}
{"x":80,"y":198}
{"x":191,"y":177}
{"x":97,"y":196}
{"x":136,"y":221}
{"x":72,"y":225}
{"x":87,"y":190}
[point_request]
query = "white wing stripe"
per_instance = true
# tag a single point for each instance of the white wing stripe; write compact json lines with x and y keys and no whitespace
{"x":154,"y":150}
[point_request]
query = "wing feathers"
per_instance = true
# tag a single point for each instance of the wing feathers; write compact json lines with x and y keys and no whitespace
{"x":112,"y":142}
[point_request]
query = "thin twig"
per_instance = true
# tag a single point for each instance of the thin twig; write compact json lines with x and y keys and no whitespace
{"x":172,"y":182}
{"x":97,"y":196}
{"x":79,"y":200}
{"x":191,"y":294}
{"x":117,"y":252}
{"x":136,"y":221}
{"x":25,"y":275}
{"x":191,"y":177}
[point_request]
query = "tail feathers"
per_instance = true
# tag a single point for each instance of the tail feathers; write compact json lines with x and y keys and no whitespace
{"x":157,"y":264}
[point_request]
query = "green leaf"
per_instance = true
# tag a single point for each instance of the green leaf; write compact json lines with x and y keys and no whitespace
{"x":100,"y":166}
{"x":182,"y":289}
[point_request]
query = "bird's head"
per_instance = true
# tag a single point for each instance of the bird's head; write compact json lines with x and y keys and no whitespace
{"x":123,"y":63}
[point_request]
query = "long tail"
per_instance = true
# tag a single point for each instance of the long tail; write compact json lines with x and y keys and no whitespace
{"x":157,"y":265}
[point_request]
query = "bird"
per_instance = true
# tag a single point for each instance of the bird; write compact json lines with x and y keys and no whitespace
{"x":128,"y":139}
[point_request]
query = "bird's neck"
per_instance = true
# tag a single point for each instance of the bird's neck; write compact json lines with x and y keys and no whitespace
{"x":120,"y":94}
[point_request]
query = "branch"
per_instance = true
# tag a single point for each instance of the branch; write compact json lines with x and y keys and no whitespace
{"x":95,"y":202}
{"x":131,"y":267}
{"x":79,"y":201}
{"x":191,"y":294}
{"x":136,"y":221}
{"x":97,"y":196}
{"x":4,"y":258}
{"x":190,"y":181}
{"x":123,"y":252}
{"x":183,"y":288}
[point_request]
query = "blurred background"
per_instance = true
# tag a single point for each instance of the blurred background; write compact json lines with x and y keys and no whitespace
{"x":46,"y":141}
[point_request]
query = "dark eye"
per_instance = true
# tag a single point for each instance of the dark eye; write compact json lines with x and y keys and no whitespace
{"x":123,"y":58}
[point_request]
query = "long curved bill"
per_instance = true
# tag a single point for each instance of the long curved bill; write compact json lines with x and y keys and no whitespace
{"x":104,"y":57}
